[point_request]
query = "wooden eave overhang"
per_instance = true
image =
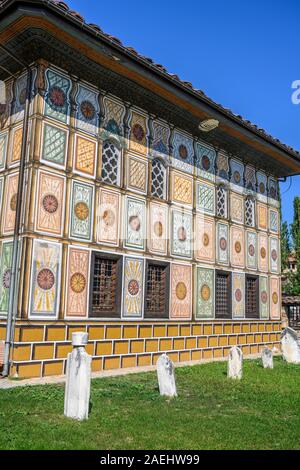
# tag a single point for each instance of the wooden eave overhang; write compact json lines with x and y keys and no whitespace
{"x":35,"y":29}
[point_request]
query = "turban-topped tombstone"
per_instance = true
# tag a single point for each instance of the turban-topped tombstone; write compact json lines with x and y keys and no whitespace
{"x":166,"y":376}
{"x":235,"y":363}
{"x":290,"y":346}
{"x":78,"y":380}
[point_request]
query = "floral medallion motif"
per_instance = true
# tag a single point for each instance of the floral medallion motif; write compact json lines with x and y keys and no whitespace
{"x":183,"y":152}
{"x":238,"y":247}
{"x":88,"y":110}
{"x":263,"y":252}
{"x":223,"y":243}
{"x":133,"y":287}
{"x":50,"y":203}
{"x":205,"y":162}
{"x":238,"y":295}
{"x":237,"y":177}
{"x":81,"y":210}
{"x":181,"y":291}
{"x":274,"y":255}
{"x":262,"y":187}
{"x":13,"y":202}
{"x":205,"y":239}
{"x":108,"y":217}
{"x":181,"y":234}
{"x":77,"y":283}
{"x":138,"y":132}
{"x":158,"y":228}
{"x":264,"y":297}
{"x":45,"y":279}
{"x":205,"y":292}
{"x":275,"y":298}
{"x":57,"y":96}
{"x":251,"y":250}
{"x":273,"y":192}
{"x":6,"y":278}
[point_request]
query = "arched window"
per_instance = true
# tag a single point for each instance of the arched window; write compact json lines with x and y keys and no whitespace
{"x":222,"y":201}
{"x":111,"y":160}
{"x":158,"y":179}
{"x":249,"y":211}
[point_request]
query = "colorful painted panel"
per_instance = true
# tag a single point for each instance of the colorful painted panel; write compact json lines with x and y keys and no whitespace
{"x":222,"y":165}
{"x":273,"y":220}
{"x":85,"y":156}
{"x":57,"y":96}
{"x":238,"y":295}
{"x":108,"y":220}
{"x":77,"y":282}
{"x":181,"y":291}
{"x":5,"y":273}
{"x":250,"y":178}
{"x":273,"y":188}
{"x":50,"y":203}
{"x":54,"y":145}
{"x":114,"y":113}
{"x":10,"y":204}
{"x":183,"y":152}
{"x":206,"y":158}
{"x":274,"y":297}
{"x":135,"y":223}
{"x":205,"y":293}
{"x":261,"y":186}
{"x":160,"y":139}
{"x":251,"y":255}
{"x":20,"y":98}
{"x":274,"y":255}
{"x":137,"y":174}
{"x":182,"y":189}
{"x":16,"y":146}
{"x":1,"y":194}
{"x":237,"y":173}
{"x":237,"y":208}
{"x":237,"y":247}
{"x":158,"y":228}
{"x":133,"y":288}
{"x":45,"y":279}
{"x":87,"y":109}
{"x":263,"y":264}
{"x":81,"y":211}
{"x":205,"y":198}
{"x":3,"y":148}
{"x":205,"y":239}
{"x":138,"y":133}
{"x":263,"y":297}
{"x":181,"y":233}
{"x":222,"y":243}
{"x":262,"y":215}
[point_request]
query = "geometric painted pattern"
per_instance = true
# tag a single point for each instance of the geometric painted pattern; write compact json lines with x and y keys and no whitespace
{"x":3,"y":149}
{"x":50,"y":203}
{"x":158,"y":228}
{"x":237,"y":208}
{"x":20,"y":98}
{"x":85,"y":156}
{"x":138,"y":133}
{"x":205,"y":239}
{"x":78,"y":282}
{"x":158,"y":179}
{"x":205,"y":198}
{"x":222,"y":243}
{"x":261,"y":186}
{"x":133,"y":288}
{"x":205,"y":293}
{"x":262,"y":216}
{"x":15,"y":153}
{"x":5,"y":273}
{"x":183,"y":152}
{"x":238,"y":295}
{"x":54,"y":145}
{"x":111,"y":162}
{"x":251,"y":255}
{"x":114,"y":113}
{"x":273,"y":220}
{"x":274,"y":297}
{"x":263,"y":263}
{"x":108,"y":217}
{"x":237,"y":173}
{"x":237,"y":246}
{"x":181,"y":234}
{"x":206,"y":158}
{"x":274,"y":255}
{"x":263,"y":297}
{"x":273,"y":188}
{"x":137,"y":171}
{"x":161,"y":136}
{"x":10,"y":203}
{"x":181,"y":291}
{"x":250,"y":180}
{"x":182,"y":188}
{"x":222,"y":165}
{"x":57,"y":96}
{"x":87,"y":109}
{"x":135,"y":223}
{"x":45,"y":279}
{"x":81,"y":210}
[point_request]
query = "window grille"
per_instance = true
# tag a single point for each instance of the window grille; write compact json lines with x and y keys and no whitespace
{"x":223,"y":295}
{"x":156,"y":296}
{"x":158,"y":179}
{"x":110,"y":163}
{"x":252,"y":292}
{"x":249,"y":212}
{"x":221,"y":201}
{"x":105,"y":289}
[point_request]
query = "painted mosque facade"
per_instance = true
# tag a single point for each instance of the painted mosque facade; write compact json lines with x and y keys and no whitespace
{"x":133,"y":230}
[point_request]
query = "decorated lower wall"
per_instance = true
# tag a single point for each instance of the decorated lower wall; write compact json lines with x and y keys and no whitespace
{"x":41,"y":348}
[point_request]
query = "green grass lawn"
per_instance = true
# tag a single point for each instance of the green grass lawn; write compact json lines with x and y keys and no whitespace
{"x":211,"y":412}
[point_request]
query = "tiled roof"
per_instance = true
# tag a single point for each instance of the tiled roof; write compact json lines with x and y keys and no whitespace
{"x":64,"y":9}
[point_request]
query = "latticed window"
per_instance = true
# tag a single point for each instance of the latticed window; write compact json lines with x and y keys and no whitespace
{"x":110,"y":163}
{"x":158,"y":179}
{"x":105,"y":295}
{"x":221,"y":201}
{"x":157,"y":286}
{"x":252,"y":292}
{"x":249,"y":212}
{"x":223,"y":295}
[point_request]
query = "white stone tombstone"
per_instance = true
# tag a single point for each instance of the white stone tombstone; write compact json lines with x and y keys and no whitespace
{"x":290,"y":346}
{"x":267,"y":358}
{"x":166,"y":376}
{"x":235,"y":363}
{"x":78,"y":380}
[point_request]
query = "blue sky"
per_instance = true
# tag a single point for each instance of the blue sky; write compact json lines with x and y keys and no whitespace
{"x":243,"y":54}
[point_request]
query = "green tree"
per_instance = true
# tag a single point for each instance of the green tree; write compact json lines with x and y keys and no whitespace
{"x":285,"y":245}
{"x":295,"y":232}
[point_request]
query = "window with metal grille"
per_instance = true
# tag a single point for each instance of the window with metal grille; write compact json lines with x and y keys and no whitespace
{"x":222,"y":201}
{"x":157,"y":290}
{"x":249,"y":212}
{"x":110,"y":163}
{"x":106,"y":286}
{"x":158,"y":179}
{"x":223,"y":295}
{"x":252,"y":296}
